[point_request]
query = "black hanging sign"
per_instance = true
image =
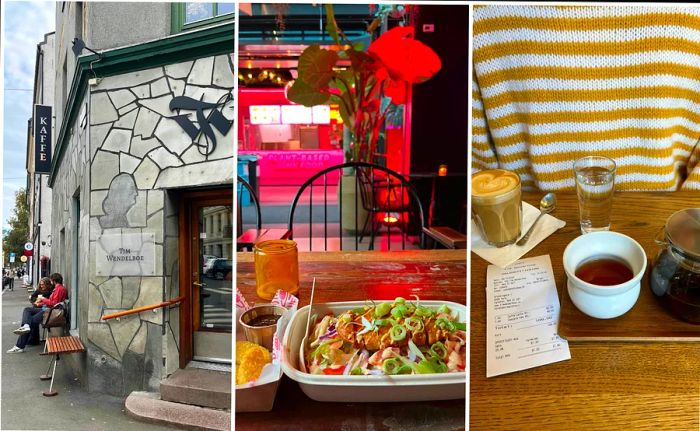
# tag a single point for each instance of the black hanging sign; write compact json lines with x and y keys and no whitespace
{"x":42,"y":139}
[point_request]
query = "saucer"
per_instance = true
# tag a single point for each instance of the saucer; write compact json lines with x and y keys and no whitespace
{"x":603,"y":307}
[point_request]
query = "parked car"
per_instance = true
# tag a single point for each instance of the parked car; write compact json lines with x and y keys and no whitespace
{"x":206,"y":259}
{"x":219,"y":268}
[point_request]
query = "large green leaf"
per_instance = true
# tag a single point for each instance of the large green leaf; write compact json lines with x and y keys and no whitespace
{"x":316,"y":66}
{"x":301,"y":92}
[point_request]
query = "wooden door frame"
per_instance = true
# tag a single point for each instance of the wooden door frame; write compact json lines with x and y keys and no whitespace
{"x":188,"y":243}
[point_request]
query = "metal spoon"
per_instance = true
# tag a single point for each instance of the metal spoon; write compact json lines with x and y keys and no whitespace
{"x":547,"y":205}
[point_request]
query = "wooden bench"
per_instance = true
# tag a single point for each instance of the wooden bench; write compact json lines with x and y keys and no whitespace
{"x":253,"y":236}
{"x":57,"y":346}
{"x":447,"y":236}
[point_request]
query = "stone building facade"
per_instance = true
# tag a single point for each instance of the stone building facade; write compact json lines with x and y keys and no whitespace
{"x":145,"y":125}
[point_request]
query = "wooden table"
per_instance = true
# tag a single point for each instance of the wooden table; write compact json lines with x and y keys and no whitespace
{"x":353,"y":276}
{"x":605,"y":385}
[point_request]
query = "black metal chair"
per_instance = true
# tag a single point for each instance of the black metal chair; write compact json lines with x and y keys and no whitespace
{"x":377,"y":190}
{"x":243,"y":184}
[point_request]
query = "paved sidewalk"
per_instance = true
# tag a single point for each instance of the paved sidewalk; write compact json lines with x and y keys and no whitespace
{"x":23,"y":405}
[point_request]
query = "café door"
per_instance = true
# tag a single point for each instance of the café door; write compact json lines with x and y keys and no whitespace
{"x":207,"y":277}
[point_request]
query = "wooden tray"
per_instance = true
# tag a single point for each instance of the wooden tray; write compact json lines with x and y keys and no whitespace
{"x":646,"y":321}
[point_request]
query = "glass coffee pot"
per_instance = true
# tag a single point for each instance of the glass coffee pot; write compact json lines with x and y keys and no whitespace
{"x":675,"y":274}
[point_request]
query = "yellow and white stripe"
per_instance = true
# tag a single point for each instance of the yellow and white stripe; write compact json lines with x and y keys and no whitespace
{"x":552,"y":84}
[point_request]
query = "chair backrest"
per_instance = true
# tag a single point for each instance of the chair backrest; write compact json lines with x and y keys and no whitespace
{"x":242,"y":183}
{"x":364,"y":191}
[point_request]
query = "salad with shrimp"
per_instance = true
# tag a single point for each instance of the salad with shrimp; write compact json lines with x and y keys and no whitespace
{"x":388,"y":338}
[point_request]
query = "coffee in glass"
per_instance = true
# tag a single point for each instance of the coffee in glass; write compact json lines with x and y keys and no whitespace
{"x":496,"y":206}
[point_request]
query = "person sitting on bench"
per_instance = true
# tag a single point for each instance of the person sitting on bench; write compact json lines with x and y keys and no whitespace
{"x":32,"y":316}
{"x":45,"y":289}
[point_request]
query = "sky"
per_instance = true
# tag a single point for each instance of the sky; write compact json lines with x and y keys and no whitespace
{"x":26,"y":23}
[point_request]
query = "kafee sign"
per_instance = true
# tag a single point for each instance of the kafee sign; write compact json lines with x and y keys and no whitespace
{"x":42,"y":139}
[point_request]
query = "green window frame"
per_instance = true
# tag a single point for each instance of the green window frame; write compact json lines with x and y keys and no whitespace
{"x":178,"y":15}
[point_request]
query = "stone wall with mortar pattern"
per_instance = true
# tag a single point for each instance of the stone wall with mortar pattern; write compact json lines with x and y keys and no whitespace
{"x":136,"y":154}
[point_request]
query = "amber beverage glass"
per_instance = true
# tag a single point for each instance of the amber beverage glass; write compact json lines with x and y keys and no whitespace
{"x":276,"y":267}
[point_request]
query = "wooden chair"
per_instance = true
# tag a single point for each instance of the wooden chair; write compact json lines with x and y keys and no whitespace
{"x":378,"y":190}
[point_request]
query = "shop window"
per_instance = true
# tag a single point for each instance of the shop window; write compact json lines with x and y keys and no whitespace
{"x":195,"y":14}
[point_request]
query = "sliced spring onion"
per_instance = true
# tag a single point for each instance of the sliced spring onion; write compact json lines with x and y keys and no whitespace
{"x":439,"y":350}
{"x":357,"y":371}
{"x":399,"y":311}
{"x":404,"y":369}
{"x":423,"y":312}
{"x":360,"y":310}
{"x":391,"y":366}
{"x":382,"y":309}
{"x":444,"y":323}
{"x":397,"y":333}
{"x":444,"y":309}
{"x":460,"y":326}
{"x":382,"y":322}
{"x":414,"y":324}
{"x":346,"y":318}
{"x":399,"y":300}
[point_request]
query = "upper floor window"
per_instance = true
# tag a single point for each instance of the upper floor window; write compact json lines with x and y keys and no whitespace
{"x":190,"y":14}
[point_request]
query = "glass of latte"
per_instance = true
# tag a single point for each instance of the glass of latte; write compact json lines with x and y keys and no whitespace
{"x":496,"y":206}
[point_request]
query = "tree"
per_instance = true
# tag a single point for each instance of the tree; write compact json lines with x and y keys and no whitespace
{"x":14,"y":239}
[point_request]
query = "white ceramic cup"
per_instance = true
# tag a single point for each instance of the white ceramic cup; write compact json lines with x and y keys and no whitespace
{"x":604,"y":302}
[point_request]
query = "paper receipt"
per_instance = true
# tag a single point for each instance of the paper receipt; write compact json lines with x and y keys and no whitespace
{"x":522,"y":312}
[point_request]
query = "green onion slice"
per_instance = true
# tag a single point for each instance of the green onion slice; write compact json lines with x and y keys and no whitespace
{"x":439,"y":350}
{"x":391,"y":366}
{"x":382,"y":309}
{"x":397,"y":332}
{"x":423,"y":312}
{"x":413,"y":324}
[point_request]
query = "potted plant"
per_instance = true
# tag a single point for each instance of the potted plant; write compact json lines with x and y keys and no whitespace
{"x":366,"y":91}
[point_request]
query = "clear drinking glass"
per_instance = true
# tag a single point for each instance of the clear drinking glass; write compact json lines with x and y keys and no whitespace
{"x":496,"y":206}
{"x":595,"y":184}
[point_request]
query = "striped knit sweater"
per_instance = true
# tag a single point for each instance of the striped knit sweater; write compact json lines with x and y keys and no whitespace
{"x":552,"y":84}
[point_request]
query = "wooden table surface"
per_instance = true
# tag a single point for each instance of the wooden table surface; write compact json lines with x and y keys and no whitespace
{"x":605,"y":385}
{"x":356,"y":276}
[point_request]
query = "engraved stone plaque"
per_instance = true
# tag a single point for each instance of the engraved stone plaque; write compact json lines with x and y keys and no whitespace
{"x":125,"y":254}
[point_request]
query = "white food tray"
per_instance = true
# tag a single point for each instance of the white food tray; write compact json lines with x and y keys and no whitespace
{"x":404,"y":387}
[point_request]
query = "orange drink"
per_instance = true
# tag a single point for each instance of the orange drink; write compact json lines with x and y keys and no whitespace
{"x":276,"y":267}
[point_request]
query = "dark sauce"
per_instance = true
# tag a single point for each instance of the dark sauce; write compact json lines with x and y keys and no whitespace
{"x":604,"y":271}
{"x":677,"y":287}
{"x":265,"y":320}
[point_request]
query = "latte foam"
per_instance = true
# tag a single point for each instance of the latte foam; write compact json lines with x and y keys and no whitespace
{"x":493,"y":182}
